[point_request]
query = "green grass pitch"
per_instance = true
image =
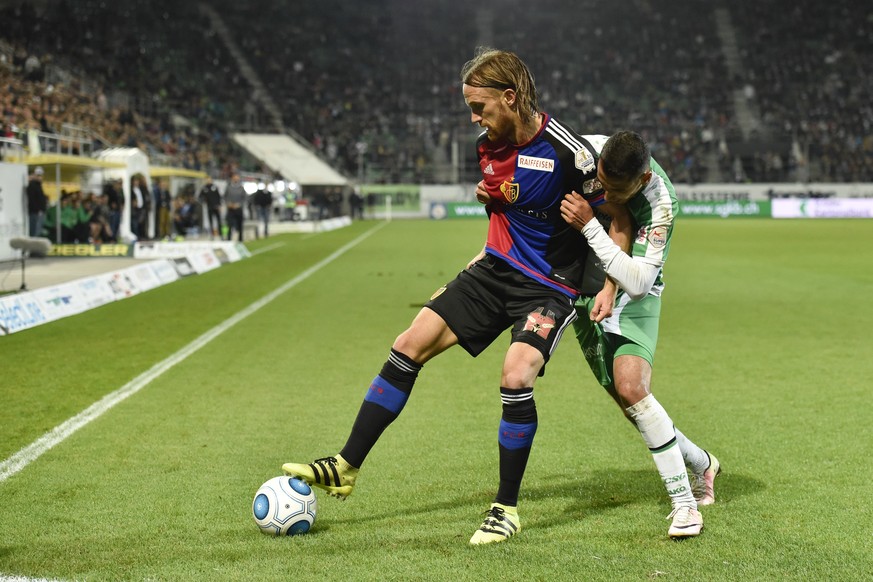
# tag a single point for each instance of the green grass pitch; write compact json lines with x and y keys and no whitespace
{"x":765,"y":357}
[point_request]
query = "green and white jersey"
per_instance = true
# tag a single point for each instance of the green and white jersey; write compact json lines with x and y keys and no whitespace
{"x":653,"y":210}
{"x":632,"y":329}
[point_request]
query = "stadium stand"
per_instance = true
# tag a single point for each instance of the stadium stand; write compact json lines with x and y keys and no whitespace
{"x":811,"y":68}
{"x":740,"y":91}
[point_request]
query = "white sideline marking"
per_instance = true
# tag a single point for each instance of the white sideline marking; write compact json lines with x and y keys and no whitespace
{"x":267,"y":248}
{"x":4,"y":578}
{"x":58,"y":434}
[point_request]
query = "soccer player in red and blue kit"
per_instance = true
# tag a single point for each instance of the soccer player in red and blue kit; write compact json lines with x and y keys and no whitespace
{"x":526,"y":278}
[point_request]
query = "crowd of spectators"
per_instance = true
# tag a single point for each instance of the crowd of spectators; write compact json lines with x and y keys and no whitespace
{"x":376,"y":92}
{"x":75,"y":114}
{"x":811,"y":67}
{"x":109,"y":68}
{"x":634,"y":66}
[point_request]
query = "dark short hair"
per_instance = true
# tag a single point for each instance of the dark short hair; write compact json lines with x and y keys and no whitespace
{"x":625,"y":156}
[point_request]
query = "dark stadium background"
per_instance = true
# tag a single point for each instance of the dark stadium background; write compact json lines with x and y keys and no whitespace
{"x":725,"y":91}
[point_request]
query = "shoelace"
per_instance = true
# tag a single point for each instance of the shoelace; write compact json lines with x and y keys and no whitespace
{"x":684,"y":514}
{"x":698,"y":483}
{"x":494,"y":516}
{"x":328,"y":460}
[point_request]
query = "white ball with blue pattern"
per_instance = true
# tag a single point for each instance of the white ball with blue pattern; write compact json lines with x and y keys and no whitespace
{"x":284,"y":506}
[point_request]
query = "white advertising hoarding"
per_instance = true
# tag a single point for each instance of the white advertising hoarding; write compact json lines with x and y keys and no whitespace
{"x":13,"y":214}
{"x":822,"y":208}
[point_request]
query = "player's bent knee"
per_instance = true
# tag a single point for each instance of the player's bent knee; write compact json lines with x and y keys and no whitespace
{"x":521,"y":372}
{"x":516,"y":381}
{"x":407,"y":345}
{"x":631,"y":392}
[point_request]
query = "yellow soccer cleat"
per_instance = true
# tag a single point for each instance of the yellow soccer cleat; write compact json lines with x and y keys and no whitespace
{"x":333,"y":474}
{"x":501,"y":523}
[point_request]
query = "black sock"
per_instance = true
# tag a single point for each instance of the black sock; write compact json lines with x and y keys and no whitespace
{"x":517,"y":429}
{"x":386,"y":397}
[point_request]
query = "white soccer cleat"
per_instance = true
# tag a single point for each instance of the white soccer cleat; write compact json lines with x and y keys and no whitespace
{"x":703,"y":484}
{"x":687,"y":522}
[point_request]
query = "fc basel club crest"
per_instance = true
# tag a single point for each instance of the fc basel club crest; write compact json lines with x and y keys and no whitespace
{"x":540,"y":324}
{"x":510,"y":191}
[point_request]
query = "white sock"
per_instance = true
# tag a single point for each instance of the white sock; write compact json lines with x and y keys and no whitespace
{"x":657,"y":431}
{"x":695,"y":457}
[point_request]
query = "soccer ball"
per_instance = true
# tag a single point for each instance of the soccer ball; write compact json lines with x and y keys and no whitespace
{"x":284,"y":506}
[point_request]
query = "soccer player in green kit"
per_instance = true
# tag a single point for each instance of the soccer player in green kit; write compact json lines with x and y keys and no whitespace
{"x":617,"y":328}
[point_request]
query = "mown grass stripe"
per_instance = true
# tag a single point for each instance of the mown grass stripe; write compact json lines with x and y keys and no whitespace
{"x":21,"y":459}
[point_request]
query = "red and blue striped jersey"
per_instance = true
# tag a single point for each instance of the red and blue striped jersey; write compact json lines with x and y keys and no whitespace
{"x":526,"y":184}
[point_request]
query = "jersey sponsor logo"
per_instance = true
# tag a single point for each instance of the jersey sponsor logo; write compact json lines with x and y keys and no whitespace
{"x":592,"y":191}
{"x":658,"y":236}
{"x":542,"y":215}
{"x":488,"y":170}
{"x":591,"y":186}
{"x":539,"y":323}
{"x":539,"y":164}
{"x":584,"y":160}
{"x":641,"y":235}
{"x":510,"y":191}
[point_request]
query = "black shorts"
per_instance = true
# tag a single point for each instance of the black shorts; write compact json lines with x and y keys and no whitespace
{"x":491,"y":296}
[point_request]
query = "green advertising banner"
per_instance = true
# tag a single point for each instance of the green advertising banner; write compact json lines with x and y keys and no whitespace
{"x":727,"y":209}
{"x":441,"y":210}
{"x":724,"y":209}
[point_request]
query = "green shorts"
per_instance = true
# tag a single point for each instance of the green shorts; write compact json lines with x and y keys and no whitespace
{"x":632,"y":329}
